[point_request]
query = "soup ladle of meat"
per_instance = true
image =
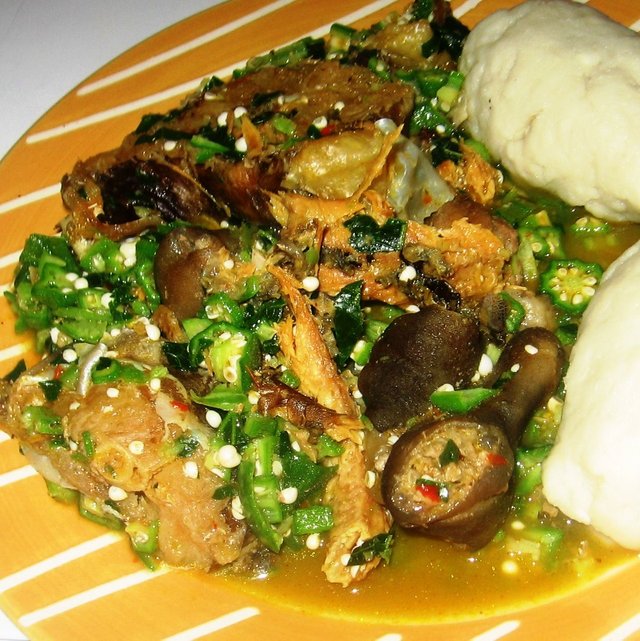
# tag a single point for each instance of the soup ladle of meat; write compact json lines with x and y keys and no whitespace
{"x":452,"y":478}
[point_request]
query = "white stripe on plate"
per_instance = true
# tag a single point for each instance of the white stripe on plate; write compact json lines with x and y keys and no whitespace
{"x":498,"y":632}
{"x":215,"y":625}
{"x":624,"y":631}
{"x":393,"y":636}
{"x":10,"y":259}
{"x":88,"y":596}
{"x":16,"y":475}
{"x":465,"y":7}
{"x":4,"y":437}
{"x":15,"y":350}
{"x":635,"y":26}
{"x":183,"y":48}
{"x":21,"y":201}
{"x":179,"y":90}
{"x":57,"y":560}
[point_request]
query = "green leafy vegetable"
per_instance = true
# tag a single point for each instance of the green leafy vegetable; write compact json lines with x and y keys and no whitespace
{"x":369,"y":237}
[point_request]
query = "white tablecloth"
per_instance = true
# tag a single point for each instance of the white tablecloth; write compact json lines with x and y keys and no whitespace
{"x":47,"y":47}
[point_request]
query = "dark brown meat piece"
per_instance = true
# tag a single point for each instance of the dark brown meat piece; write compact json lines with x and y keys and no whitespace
{"x":417,"y":354}
{"x":146,"y":181}
{"x":179,"y":265}
{"x":464,"y":498}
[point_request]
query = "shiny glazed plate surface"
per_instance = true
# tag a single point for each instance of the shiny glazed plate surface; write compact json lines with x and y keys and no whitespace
{"x":62,"y":576}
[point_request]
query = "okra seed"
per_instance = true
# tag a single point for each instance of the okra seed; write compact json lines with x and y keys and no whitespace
{"x":228,"y":264}
{"x":412,"y":309}
{"x":320,"y":122}
{"x":136,"y":447}
{"x":105,"y":299}
{"x":117,"y":493}
{"x":486,"y":365}
{"x":236,"y":508}
{"x":370,"y":478}
{"x":70,"y":355}
{"x":213,"y":418}
{"x":238,"y":112}
{"x":344,"y":559}
{"x":222,"y":119}
{"x":113,"y":392}
{"x":228,"y":456}
{"x":153,"y":332}
{"x":310,"y":283}
{"x":190,"y":469}
{"x":241,"y":145}
{"x":155,"y":384}
{"x":313,"y":541}
{"x":288,"y":496}
{"x":230,"y":373}
{"x":531,"y":349}
{"x":407,"y":274}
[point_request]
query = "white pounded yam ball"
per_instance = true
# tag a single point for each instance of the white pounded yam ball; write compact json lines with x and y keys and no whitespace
{"x":553,"y":90}
{"x":593,"y":473}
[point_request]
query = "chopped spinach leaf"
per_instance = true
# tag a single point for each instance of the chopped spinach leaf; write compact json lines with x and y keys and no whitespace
{"x":348,"y":321}
{"x":369,"y":237}
{"x":380,"y":545}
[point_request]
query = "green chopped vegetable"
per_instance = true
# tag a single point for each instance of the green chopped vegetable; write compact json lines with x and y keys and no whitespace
{"x":41,"y":420}
{"x":450,"y":454}
{"x":309,"y":520}
{"x":348,"y":322}
{"x":257,"y":517}
{"x":461,"y":401}
{"x":144,"y":536}
{"x":369,"y":237}
{"x":380,"y":546}
{"x":571,"y":284}
{"x":94,"y":511}
{"x":61,"y":493}
{"x":515,"y":313}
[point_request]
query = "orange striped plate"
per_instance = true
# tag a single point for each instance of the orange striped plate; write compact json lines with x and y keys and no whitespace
{"x":63,"y":578}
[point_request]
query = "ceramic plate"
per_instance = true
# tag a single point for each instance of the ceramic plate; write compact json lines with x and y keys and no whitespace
{"x":62,"y":577}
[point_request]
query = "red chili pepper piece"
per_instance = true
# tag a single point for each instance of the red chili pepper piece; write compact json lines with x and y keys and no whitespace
{"x":429,"y":491}
{"x":328,"y":130}
{"x":179,"y":405}
{"x":496,"y":459}
{"x":57,"y":372}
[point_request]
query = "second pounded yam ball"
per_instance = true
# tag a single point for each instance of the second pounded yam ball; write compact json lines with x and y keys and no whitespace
{"x":592,"y":473}
{"x":553,"y":89}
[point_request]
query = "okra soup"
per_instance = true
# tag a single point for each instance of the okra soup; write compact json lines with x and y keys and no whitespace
{"x":312,"y":330}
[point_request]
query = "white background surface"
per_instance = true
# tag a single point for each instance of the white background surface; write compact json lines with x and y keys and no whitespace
{"x":47,"y":47}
